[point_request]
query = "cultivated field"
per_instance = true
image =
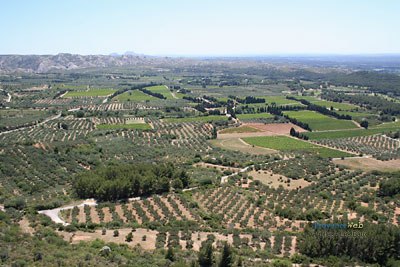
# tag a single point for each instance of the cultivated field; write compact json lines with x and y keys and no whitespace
{"x":284,"y":143}
{"x":90,"y":93}
{"x":134,"y":95}
{"x":320,"y":122}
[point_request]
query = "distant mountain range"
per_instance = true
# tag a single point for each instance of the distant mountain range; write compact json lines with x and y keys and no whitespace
{"x":63,"y":61}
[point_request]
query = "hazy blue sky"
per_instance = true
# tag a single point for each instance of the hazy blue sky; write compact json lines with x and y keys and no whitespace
{"x":203,"y":27}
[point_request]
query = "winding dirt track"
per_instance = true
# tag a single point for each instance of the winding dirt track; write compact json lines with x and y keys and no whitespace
{"x":23,"y":128}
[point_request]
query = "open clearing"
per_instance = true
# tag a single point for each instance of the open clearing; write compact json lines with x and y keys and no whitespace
{"x":263,"y":130}
{"x":276,"y":128}
{"x":369,"y":164}
{"x":91,"y":92}
{"x":238,"y":145}
{"x":319,"y":122}
{"x":272,"y":179}
{"x":285,"y":143}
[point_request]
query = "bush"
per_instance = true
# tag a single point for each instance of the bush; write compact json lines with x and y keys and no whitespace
{"x":16,"y":203}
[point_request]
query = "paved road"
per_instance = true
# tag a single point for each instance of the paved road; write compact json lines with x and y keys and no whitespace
{"x":53,"y":214}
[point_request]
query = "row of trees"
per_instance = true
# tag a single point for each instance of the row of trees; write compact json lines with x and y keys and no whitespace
{"x":321,"y":109}
{"x":138,"y":86}
{"x":383,"y":105}
{"x":119,"y":182}
{"x":158,"y":95}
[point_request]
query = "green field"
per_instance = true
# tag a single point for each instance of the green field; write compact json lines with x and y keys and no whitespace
{"x":389,"y":125}
{"x":356,"y":114}
{"x":319,"y":122}
{"x":134,"y":95}
{"x":284,"y":143}
{"x":161,"y":89}
{"x":140,"y":126}
{"x":200,"y":118}
{"x":279,"y":100}
{"x":91,"y":92}
{"x":253,"y":116}
{"x":348,"y":133}
{"x":329,"y":104}
{"x":308,"y":98}
{"x":241,"y":129}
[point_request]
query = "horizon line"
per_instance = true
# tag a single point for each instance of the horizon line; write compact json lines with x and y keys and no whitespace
{"x":239,"y":55}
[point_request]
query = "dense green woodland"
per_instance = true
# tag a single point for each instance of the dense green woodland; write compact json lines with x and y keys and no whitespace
{"x":381,"y":243}
{"x":119,"y":182}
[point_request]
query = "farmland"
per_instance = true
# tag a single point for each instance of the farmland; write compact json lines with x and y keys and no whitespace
{"x":335,"y":105}
{"x":283,"y":143}
{"x":241,"y":129}
{"x":319,"y":122}
{"x":134,"y":95}
{"x":202,"y":118}
{"x":90,"y":93}
{"x":188,"y":156}
{"x":348,"y":133}
{"x":161,"y":90}
{"x":253,"y":116}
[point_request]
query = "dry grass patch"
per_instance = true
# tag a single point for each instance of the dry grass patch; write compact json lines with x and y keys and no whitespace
{"x":369,"y":164}
{"x":238,"y":145}
{"x":274,"y":180}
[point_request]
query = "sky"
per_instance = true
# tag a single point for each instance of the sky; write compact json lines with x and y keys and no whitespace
{"x":200,"y":28}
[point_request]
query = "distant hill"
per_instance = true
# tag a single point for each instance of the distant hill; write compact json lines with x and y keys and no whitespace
{"x":45,"y":63}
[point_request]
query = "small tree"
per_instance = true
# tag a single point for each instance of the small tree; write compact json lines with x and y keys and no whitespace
{"x":116,"y":233}
{"x":206,"y":255}
{"x":170,"y":254}
{"x":364,"y":124}
{"x":129,"y":237}
{"x":227,"y":256}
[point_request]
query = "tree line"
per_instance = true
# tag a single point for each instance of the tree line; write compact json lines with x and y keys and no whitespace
{"x":383,"y":105}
